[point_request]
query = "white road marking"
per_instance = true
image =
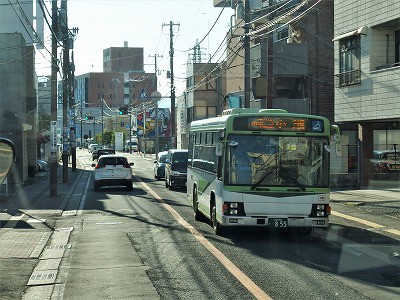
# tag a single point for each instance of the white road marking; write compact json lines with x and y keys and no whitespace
{"x":367,"y":223}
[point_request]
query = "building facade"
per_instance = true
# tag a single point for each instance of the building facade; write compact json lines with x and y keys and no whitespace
{"x":122,"y":86}
{"x":291,"y":63}
{"x":18,"y":103}
{"x":367,"y":73}
{"x":123,"y":59}
{"x":204,"y":97}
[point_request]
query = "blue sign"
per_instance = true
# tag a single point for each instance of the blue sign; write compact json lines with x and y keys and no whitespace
{"x":143,"y":95}
{"x":317,"y":126}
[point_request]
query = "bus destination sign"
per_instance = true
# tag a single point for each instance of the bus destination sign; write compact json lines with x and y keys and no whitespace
{"x":278,"y":123}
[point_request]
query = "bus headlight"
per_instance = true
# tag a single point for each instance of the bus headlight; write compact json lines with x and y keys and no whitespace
{"x":233,"y":208}
{"x":320,"y":210}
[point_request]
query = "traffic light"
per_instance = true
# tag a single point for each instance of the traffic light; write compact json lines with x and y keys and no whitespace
{"x":123,"y":110}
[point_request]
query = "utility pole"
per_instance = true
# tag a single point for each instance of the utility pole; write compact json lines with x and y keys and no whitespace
{"x":64,"y":34}
{"x":102,"y":117}
{"x":155,"y":62}
{"x":72,"y":99}
{"x":53,"y":122}
{"x":246,"y":42}
{"x":171,"y":55}
{"x":156,"y":144}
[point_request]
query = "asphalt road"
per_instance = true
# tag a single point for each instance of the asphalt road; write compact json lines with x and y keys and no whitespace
{"x":145,"y":244}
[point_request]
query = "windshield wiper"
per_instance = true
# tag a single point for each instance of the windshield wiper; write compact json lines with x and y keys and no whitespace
{"x":253,"y":187}
{"x":293,"y":179}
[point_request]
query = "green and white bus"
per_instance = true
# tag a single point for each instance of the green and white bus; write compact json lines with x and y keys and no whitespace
{"x":264,"y":168}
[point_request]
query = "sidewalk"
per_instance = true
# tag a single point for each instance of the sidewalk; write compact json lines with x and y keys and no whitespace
{"x":374,"y":209}
{"x":35,"y":194}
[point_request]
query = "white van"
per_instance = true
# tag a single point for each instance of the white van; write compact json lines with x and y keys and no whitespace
{"x":132,"y":144}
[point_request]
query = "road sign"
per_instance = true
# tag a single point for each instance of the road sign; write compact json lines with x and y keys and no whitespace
{"x":72,"y":123}
{"x":143,"y":95}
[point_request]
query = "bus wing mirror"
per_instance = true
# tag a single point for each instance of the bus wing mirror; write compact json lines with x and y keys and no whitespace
{"x":7,"y":157}
{"x":336,"y":140}
{"x":218,"y":149}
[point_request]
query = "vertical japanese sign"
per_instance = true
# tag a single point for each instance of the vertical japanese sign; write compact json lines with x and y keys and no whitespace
{"x":53,"y":138}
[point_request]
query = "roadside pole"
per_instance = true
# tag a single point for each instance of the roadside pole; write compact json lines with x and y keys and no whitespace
{"x":53,"y":122}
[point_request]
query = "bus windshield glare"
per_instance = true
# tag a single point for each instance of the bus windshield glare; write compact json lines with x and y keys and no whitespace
{"x":264,"y":160}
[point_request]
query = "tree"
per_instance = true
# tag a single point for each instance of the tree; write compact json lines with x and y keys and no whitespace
{"x":108,"y":137}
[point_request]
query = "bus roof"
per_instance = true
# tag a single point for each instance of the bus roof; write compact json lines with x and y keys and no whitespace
{"x":220,"y":122}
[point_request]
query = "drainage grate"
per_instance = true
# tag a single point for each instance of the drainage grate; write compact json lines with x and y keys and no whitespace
{"x":109,"y":223}
{"x":68,"y":246}
{"x":69,"y":213}
{"x":42,"y":276}
{"x":65,"y":229}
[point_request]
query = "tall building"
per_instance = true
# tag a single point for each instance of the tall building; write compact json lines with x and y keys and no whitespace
{"x":123,"y":59}
{"x":123,"y":83}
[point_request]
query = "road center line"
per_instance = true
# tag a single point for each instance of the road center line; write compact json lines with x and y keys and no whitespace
{"x":254,"y":289}
{"x":367,"y":223}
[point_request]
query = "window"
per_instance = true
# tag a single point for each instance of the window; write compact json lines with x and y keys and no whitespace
{"x":350,"y":61}
{"x":204,"y":112}
{"x":189,"y":82}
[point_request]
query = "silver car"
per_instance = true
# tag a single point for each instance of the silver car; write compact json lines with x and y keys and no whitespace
{"x":112,"y":170}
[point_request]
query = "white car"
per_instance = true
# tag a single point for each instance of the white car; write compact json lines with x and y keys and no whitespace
{"x":112,"y":170}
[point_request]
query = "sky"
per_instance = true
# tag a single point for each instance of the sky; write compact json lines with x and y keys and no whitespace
{"x":145,"y":23}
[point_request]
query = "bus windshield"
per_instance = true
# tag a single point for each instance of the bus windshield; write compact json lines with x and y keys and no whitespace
{"x":263,"y":160}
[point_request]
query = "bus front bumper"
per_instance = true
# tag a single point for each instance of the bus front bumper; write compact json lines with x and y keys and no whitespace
{"x":274,"y":221}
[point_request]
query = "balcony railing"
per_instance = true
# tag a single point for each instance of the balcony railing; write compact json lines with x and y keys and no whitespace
{"x":348,"y":78}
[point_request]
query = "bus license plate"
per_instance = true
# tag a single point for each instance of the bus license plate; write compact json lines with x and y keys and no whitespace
{"x":277,"y":223}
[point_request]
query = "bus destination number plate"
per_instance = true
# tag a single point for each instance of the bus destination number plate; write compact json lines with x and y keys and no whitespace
{"x":277,"y":223}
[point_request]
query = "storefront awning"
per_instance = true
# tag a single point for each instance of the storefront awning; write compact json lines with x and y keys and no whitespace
{"x":40,"y":138}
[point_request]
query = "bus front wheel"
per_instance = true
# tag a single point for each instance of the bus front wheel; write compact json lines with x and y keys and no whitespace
{"x":197,"y":213}
{"x":218,"y":229}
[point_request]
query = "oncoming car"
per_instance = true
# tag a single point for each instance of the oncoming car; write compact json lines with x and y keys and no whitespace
{"x":99,"y":152}
{"x":176,"y":168}
{"x":159,"y":165}
{"x":112,"y":170}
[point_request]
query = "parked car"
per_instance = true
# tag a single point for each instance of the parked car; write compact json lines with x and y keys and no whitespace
{"x":159,"y":165}
{"x":386,"y":161}
{"x":112,"y":170}
{"x":99,"y":152}
{"x":176,"y":168}
{"x":41,"y":165}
